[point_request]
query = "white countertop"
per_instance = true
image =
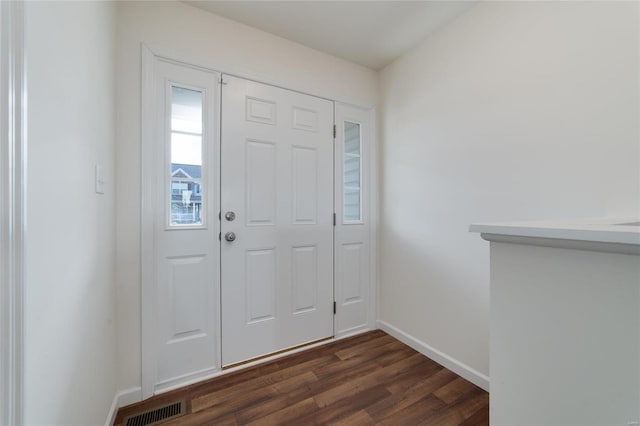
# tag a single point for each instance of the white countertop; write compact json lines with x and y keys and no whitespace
{"x":616,"y":231}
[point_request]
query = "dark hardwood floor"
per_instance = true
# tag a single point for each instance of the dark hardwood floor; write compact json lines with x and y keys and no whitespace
{"x":368,"y":379}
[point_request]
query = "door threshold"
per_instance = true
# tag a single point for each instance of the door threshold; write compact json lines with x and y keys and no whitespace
{"x":272,"y":354}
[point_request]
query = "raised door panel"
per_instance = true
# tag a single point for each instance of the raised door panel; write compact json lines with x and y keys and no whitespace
{"x":260,"y":285}
{"x":352,"y":258}
{"x":304,"y":261}
{"x":305,"y":119}
{"x":260,"y":186}
{"x":187,"y":298}
{"x":305,"y":185}
{"x":260,"y":110}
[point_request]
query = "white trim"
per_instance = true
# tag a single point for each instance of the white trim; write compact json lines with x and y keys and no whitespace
{"x":12,"y":202}
{"x":441,"y":358}
{"x":372,"y":190}
{"x":121,"y":399}
{"x":129,"y":396}
{"x":373,"y":216}
{"x":633,"y":249}
{"x":113,"y":411}
{"x":185,"y":379}
{"x":353,"y":331}
{"x":147,"y":222}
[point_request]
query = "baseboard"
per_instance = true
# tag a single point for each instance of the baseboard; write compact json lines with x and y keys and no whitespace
{"x":353,"y":331}
{"x":120,"y":399}
{"x":441,"y":358}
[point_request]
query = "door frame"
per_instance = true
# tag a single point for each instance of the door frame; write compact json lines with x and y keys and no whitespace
{"x":149,"y":55}
{"x":13,"y":209}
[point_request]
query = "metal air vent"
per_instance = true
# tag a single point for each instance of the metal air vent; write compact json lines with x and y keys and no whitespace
{"x":157,"y":415}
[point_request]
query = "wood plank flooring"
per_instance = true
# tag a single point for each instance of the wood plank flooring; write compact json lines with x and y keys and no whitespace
{"x":367,"y":379}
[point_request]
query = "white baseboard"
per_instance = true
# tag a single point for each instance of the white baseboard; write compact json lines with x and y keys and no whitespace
{"x":441,"y":358}
{"x":120,"y":399}
{"x":353,"y":331}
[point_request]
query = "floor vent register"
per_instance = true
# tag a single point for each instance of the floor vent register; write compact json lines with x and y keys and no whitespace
{"x":157,"y":415}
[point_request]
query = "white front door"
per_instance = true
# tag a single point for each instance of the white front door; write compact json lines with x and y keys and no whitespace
{"x":276,"y":219}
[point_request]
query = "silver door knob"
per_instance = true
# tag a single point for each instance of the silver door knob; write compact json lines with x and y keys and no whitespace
{"x":230,"y":216}
{"x":230,"y":236}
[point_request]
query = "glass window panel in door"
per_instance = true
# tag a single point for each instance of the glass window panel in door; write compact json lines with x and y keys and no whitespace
{"x":186,"y":192}
{"x":352,"y":167}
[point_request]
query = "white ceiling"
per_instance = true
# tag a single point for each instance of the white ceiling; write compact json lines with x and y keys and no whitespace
{"x":370,"y":33}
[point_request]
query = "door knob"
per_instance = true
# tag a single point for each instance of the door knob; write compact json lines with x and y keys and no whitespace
{"x":230,"y":216}
{"x":230,"y":236}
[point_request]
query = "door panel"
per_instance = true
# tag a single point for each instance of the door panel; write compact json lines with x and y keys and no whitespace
{"x":352,"y":245}
{"x":277,"y":177}
{"x":260,"y":187}
{"x":304,"y":287}
{"x":260,"y":291}
{"x":185,"y":194}
{"x":305,"y":185}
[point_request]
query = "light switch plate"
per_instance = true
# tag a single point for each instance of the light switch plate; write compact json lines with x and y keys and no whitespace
{"x":99,"y":180}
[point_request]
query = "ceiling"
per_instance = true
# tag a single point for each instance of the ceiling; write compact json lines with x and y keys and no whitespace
{"x":369,"y":33}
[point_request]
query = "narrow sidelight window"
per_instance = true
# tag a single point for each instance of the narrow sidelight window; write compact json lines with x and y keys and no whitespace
{"x":186,"y":190}
{"x":352,"y":176}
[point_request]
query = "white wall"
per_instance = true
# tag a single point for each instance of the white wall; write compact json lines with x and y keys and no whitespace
{"x":70,"y":362}
{"x":565,"y":336}
{"x":228,"y":46}
{"x":516,"y":110}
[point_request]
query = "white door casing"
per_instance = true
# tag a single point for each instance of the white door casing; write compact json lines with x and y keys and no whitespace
{"x":277,"y":177}
{"x":180,"y":318}
{"x":13,"y":172}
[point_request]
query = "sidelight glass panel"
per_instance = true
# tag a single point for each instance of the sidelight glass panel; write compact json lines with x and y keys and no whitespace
{"x":352,"y":172}
{"x":186,"y":156}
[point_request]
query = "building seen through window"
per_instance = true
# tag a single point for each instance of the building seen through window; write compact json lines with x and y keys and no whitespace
{"x":186,"y":196}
